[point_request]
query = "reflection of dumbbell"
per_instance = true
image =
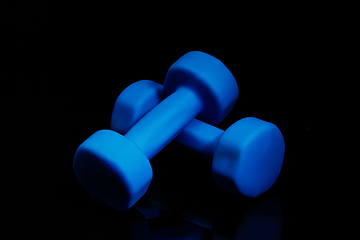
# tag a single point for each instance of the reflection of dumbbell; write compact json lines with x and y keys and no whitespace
{"x":247,"y":157}
{"x":227,"y":217}
{"x":115,"y":170}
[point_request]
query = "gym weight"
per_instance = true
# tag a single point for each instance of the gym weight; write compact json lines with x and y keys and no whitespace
{"x":247,"y":158}
{"x":114,"y":169}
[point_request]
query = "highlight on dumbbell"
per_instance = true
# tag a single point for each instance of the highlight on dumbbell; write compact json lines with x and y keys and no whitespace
{"x":115,"y":170}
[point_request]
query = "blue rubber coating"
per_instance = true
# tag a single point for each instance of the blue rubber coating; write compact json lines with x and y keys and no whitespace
{"x":200,"y":137}
{"x":249,"y":157}
{"x":204,"y":138}
{"x":112,"y":169}
{"x":210,"y":78}
{"x":134,"y":102}
{"x":164,"y":122}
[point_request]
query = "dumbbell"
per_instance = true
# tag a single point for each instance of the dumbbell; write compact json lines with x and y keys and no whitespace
{"x":115,"y":170}
{"x":247,"y":157}
{"x":134,"y":102}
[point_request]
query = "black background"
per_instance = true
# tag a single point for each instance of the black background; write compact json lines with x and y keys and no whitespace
{"x":65,"y":65}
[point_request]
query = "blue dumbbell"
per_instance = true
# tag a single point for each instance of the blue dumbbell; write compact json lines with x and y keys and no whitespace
{"x":114,"y":169}
{"x":134,"y":102}
{"x":247,"y":157}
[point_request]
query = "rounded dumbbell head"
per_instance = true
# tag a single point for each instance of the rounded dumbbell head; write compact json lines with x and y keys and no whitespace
{"x":248,"y":157}
{"x":210,"y":79}
{"x":134,"y":102}
{"x":112,"y":169}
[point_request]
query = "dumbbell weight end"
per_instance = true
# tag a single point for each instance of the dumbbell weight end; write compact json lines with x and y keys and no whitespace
{"x":100,"y":168}
{"x":134,"y":102}
{"x":115,"y":169}
{"x":247,"y":157}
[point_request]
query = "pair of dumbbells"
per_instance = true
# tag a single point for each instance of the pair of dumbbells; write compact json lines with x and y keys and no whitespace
{"x":113,"y":165}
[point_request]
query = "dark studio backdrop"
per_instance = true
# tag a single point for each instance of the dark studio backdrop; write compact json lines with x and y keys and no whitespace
{"x":65,"y":65}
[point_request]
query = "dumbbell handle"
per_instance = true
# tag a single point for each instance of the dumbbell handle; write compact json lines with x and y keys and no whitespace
{"x":200,"y":137}
{"x":197,"y":135}
{"x":165,"y":121}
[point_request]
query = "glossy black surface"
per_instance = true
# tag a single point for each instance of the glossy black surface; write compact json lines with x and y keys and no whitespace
{"x":66,"y":65}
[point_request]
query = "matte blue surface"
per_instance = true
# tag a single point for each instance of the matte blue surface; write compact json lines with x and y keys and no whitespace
{"x":210,"y":78}
{"x":249,"y":157}
{"x":200,"y":137}
{"x":259,"y":135}
{"x":162,"y":124}
{"x":115,"y":169}
{"x":134,"y":102}
{"x":112,"y":169}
